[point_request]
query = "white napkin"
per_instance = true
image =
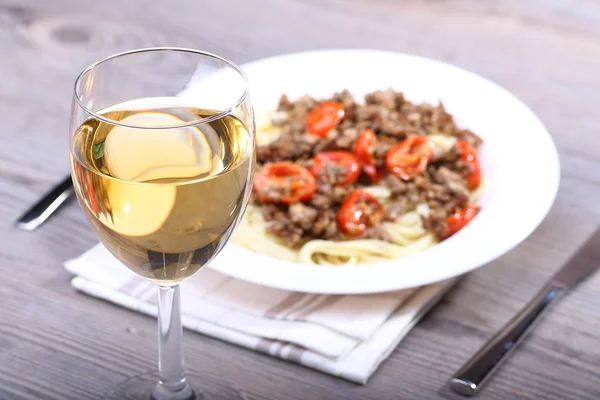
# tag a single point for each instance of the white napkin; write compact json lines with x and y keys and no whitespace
{"x":342,"y":335}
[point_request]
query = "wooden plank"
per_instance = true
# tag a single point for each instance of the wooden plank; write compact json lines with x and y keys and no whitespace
{"x":58,"y":344}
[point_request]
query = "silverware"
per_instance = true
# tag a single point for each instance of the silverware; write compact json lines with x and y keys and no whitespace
{"x":40,"y":211}
{"x":474,"y":373}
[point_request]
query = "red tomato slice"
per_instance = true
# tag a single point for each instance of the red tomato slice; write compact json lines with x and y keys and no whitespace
{"x":409,"y":157}
{"x":324,"y":118}
{"x":344,"y":158}
{"x":363,"y":150}
{"x":375,"y":174}
{"x":469,"y":155}
{"x":363,"y":147}
{"x":359,"y":211}
{"x":284,"y":182}
{"x":459,"y":219}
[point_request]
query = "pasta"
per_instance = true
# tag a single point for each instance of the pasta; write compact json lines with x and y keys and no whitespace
{"x":407,"y":232}
{"x":309,"y":205}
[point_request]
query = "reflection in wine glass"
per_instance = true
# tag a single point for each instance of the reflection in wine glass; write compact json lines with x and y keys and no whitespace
{"x":163,"y":176}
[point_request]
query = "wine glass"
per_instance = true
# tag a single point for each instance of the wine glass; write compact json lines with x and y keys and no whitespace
{"x":162,"y":156}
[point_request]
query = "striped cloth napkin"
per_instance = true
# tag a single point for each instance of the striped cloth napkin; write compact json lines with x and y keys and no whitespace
{"x":342,"y":335}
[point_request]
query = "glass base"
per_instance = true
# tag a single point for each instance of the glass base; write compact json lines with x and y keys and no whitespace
{"x":140,"y":387}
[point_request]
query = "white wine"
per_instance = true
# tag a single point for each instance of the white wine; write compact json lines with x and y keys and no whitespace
{"x":163,"y":201}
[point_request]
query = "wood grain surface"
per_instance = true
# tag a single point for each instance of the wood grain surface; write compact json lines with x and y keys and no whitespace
{"x":58,"y":344}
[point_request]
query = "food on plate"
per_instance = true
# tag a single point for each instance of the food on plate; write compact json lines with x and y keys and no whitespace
{"x":340,"y":181}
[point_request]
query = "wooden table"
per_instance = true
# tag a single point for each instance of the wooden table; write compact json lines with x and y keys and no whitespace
{"x":59,"y":344}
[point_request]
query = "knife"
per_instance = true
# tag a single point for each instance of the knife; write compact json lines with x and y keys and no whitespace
{"x":40,"y":211}
{"x":470,"y":378}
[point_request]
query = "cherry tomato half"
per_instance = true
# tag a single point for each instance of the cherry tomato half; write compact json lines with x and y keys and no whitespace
{"x":344,"y":158}
{"x":409,"y":157}
{"x":375,"y":174}
{"x":364,"y":145}
{"x":469,"y":156}
{"x":324,"y":118}
{"x":459,"y":219}
{"x":284,"y":182}
{"x":363,"y":149}
{"x":358,"y":212}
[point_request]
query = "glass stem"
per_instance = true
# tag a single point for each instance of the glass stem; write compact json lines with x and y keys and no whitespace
{"x":172,"y":384}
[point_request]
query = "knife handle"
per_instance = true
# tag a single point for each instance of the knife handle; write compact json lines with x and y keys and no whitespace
{"x":40,"y":211}
{"x":474,"y":373}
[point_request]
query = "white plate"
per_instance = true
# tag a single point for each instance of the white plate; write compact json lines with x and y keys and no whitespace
{"x":519,"y":161}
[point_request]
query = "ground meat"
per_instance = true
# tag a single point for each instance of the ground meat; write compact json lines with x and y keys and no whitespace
{"x":345,"y":97}
{"x":303,"y":215}
{"x":377,"y":232}
{"x":321,"y":201}
{"x":345,"y":138}
{"x":441,"y":121}
{"x":331,"y":231}
{"x":467,"y":136}
{"x":305,"y":163}
{"x":386,"y":98}
{"x":454,"y":182}
{"x":272,"y":192}
{"x":302,"y":105}
{"x":413,"y":193}
{"x":444,"y":175}
{"x":284,"y":103}
{"x":463,"y":168}
{"x":325,"y":143}
{"x":381,"y":148}
{"x":395,"y":126}
{"x":287,"y":147}
{"x":442,"y":189}
{"x":442,"y":186}
{"x":281,"y":226}
{"x":326,"y":225}
{"x":371,"y":113}
{"x":451,"y":156}
{"x":341,"y":192}
{"x":396,"y":209}
{"x":272,"y":211}
{"x":328,"y":192}
{"x":396,"y":185}
{"x":331,"y":173}
{"x":436,"y":223}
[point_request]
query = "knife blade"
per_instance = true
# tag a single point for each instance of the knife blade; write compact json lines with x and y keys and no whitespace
{"x":583,"y":263}
{"x":471,"y":377}
{"x":46,"y":206}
